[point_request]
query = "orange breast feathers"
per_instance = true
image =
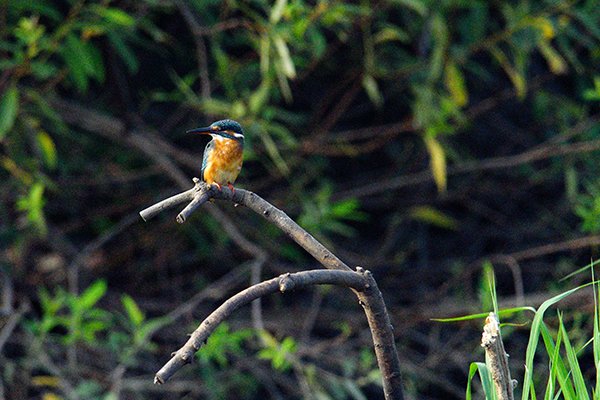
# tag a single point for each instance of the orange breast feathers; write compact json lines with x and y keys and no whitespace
{"x":224,"y":162}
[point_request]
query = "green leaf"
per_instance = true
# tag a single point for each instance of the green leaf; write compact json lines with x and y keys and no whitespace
{"x":95,"y":62}
{"x":43,"y":70}
{"x":277,"y":352}
{"x":487,"y":288}
{"x":534,"y":337}
{"x":439,"y":32}
{"x":33,"y":204}
{"x":92,"y":294}
{"x":126,"y":54}
{"x":116,"y":16}
{"x":596,"y":337}
{"x":274,"y":153}
{"x":434,"y":217}
{"x":554,"y":354}
{"x":9,"y":104}
{"x":577,"y":376}
{"x":277,"y":11}
{"x":348,"y":209}
{"x":76,"y":58}
{"x":48,"y":149}
{"x":223,"y":342}
{"x":287,"y":64}
{"x":390,"y":33}
{"x":133,"y":311}
{"x":264,"y":52}
{"x":486,"y":380}
{"x":593,"y":94}
{"x":556,"y":63}
{"x":372,"y":89}
{"x":437,"y":162}
{"x":501,"y":313}
{"x":455,"y":83}
{"x":516,"y":77}
{"x":558,"y":367}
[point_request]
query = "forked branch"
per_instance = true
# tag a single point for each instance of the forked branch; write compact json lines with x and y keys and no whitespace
{"x":360,"y":281}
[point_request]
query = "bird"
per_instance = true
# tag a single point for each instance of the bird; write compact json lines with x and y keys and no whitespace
{"x":223,"y":155}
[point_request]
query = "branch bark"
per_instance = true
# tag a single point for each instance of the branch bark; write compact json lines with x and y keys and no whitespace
{"x":497,"y":359}
{"x":283,"y":283}
{"x":360,"y":281}
{"x":202,"y":192}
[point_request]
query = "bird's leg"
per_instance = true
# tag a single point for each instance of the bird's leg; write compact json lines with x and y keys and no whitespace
{"x":230,"y":186}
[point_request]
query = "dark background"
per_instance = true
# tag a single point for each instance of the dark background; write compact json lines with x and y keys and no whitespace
{"x":422,"y":140}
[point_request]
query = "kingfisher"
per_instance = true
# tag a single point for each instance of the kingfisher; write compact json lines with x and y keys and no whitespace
{"x":223,"y":155}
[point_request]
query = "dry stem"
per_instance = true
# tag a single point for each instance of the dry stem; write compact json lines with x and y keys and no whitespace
{"x":497,"y":359}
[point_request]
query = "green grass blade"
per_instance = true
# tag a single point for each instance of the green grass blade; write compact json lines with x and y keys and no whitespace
{"x":502,"y":313}
{"x":590,"y":266}
{"x":558,"y":366}
{"x":486,"y":380}
{"x":487,"y":288}
{"x":580,"y":388}
{"x":596,"y":339}
{"x":534,"y":337}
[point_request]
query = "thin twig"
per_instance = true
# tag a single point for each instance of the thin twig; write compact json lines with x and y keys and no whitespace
{"x":517,"y":273}
{"x":11,"y":324}
{"x":572,"y":244}
{"x":201,"y":53}
{"x":7,"y":293}
{"x":537,"y":154}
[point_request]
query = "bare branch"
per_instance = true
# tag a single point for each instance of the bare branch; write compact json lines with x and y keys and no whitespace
{"x":201,"y":193}
{"x":283,"y":283}
{"x":368,"y":295}
{"x":547,"y":150}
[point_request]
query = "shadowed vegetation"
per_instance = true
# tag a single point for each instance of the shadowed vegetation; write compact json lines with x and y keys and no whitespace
{"x":425,"y":141}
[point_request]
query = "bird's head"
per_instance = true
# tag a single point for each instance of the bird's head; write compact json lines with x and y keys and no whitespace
{"x":226,"y":128}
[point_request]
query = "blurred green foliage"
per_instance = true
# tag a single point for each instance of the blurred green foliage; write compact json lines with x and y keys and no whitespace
{"x":464,"y":80}
{"x":277,"y":352}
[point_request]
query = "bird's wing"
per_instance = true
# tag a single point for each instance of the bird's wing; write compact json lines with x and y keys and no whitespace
{"x":207,"y":151}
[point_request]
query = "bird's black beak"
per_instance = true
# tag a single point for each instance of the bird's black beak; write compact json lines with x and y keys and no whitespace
{"x":206,"y":130}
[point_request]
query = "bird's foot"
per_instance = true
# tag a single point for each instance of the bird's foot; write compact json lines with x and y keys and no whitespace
{"x":218,"y":186}
{"x":230,"y":186}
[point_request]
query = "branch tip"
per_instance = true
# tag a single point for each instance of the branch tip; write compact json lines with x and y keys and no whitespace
{"x":497,"y":358}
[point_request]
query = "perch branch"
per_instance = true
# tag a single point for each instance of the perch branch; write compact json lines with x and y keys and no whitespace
{"x":497,"y":359}
{"x":201,"y":193}
{"x":369,"y":297}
